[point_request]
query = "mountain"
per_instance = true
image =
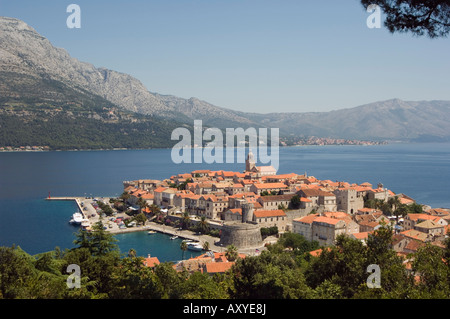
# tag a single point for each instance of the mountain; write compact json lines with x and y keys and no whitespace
{"x":30,"y":63}
{"x":49,"y":99}
{"x":24,"y":51}
{"x":43,"y":112}
{"x":386,"y":120}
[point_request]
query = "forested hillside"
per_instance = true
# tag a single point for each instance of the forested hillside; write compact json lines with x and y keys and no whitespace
{"x":44,"y":112}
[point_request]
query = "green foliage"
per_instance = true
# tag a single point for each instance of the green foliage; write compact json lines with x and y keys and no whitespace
{"x":44,"y":112}
{"x":269,"y":231}
{"x":268,"y":276}
{"x":393,"y":206}
{"x":231,"y":253}
{"x":203,"y":286}
{"x":285,"y":270}
{"x":105,"y":208}
{"x":295,"y":202}
{"x":297,"y":243}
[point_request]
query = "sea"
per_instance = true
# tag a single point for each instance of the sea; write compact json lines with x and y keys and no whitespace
{"x":421,"y":171}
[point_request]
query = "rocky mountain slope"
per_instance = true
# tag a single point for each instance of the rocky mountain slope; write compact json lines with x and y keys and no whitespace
{"x":25,"y":52}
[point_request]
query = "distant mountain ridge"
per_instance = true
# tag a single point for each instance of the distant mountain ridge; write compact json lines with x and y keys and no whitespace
{"x":23,"y":51}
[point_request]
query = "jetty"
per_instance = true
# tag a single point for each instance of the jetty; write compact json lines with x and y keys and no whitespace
{"x":78,"y":201}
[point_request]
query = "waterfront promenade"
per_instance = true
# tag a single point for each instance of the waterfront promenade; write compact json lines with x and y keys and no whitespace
{"x":90,"y":213}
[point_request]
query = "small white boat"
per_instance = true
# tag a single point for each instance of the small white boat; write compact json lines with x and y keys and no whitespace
{"x":77,"y":219}
{"x":194,"y":246}
{"x":174,"y":237}
{"x":151,"y":232}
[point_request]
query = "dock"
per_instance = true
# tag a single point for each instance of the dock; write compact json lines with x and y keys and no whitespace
{"x":150,"y":226}
{"x":78,"y":200}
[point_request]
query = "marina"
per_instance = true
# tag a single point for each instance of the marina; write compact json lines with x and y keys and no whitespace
{"x":88,"y":215}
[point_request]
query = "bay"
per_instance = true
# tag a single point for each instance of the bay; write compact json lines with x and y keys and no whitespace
{"x":421,"y":171}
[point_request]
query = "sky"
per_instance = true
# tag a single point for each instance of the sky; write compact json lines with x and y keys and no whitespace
{"x":248,"y":55}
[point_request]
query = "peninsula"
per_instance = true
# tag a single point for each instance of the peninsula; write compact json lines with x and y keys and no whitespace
{"x":252,"y":209}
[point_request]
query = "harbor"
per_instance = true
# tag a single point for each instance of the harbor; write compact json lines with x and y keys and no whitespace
{"x":90,"y":216}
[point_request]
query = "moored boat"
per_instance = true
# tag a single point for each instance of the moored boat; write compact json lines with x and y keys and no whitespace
{"x":194,"y":246}
{"x":77,"y":219}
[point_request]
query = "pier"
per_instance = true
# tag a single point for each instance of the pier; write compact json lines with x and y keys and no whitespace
{"x":78,"y":201}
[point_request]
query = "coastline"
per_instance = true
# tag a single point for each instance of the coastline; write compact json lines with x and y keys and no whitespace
{"x":92,"y":216}
{"x":18,"y":150}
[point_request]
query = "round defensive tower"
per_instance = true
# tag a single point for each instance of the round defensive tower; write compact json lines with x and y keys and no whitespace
{"x":243,"y":234}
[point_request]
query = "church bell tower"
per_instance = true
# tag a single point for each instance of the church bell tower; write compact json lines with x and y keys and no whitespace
{"x":250,"y":162}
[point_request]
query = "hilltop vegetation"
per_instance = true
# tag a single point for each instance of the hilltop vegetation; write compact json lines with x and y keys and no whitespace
{"x":285,"y":271}
{"x":46,"y":112}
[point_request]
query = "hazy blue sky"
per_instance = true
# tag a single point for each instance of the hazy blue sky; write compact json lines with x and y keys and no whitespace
{"x":250,"y":55}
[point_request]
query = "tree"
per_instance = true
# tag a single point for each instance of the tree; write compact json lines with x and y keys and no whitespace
{"x":125,"y":196}
{"x":298,"y":243}
{"x":183,"y":185}
{"x":105,"y":208}
{"x":203,"y":225}
{"x":140,"y":218}
{"x":429,"y":264}
{"x":268,"y":276}
{"x":295,"y":202}
{"x":395,"y":282}
{"x":15,"y":271}
{"x":132,"y":253}
{"x":141,"y":203}
{"x":183,"y":247}
{"x":155,"y":209}
{"x":426,"y":17}
{"x":185,"y":220}
{"x":394,"y":202}
{"x":98,"y":241}
{"x":231,"y":253}
{"x":203,"y":286}
{"x":169,"y":282}
{"x":401,"y":210}
{"x":133,"y":280}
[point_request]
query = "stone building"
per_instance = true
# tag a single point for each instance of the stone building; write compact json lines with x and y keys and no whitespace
{"x":326,"y":201}
{"x":349,"y":200}
{"x":275,"y":202}
{"x":243,"y":233}
{"x":325,"y":227}
{"x":271,"y":218}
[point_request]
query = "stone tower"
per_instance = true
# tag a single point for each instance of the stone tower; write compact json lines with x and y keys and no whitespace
{"x":244,"y":233}
{"x":250,"y":162}
{"x":247,"y":212}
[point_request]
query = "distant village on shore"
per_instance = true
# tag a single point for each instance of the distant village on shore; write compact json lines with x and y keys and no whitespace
{"x":239,"y":205}
{"x":285,"y":141}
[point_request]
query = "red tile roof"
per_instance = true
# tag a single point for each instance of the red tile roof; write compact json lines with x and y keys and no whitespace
{"x":269,"y":213}
{"x":269,"y":185}
{"x":151,"y":261}
{"x":218,"y":267}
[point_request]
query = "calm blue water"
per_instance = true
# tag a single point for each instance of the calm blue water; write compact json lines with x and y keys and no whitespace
{"x":421,"y":171}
